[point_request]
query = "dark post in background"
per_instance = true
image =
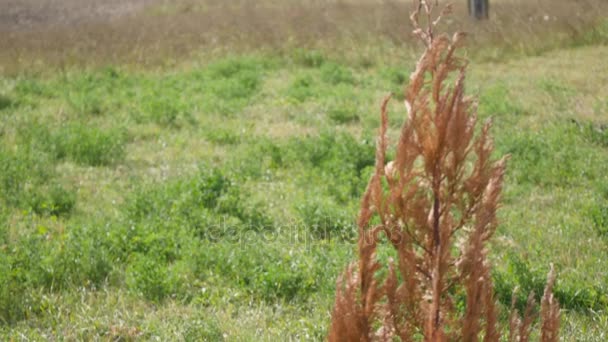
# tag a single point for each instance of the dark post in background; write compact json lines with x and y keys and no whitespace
{"x":479,"y":9}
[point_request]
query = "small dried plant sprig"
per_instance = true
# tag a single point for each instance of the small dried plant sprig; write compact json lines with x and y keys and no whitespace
{"x":436,"y":204}
{"x":549,"y":311}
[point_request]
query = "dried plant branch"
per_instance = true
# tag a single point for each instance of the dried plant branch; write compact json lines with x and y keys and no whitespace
{"x":436,"y":204}
{"x":549,"y":311}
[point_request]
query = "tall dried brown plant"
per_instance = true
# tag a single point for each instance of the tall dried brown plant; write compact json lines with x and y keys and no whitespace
{"x":435,"y":203}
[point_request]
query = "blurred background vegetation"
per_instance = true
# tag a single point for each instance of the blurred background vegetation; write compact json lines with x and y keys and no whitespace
{"x":144,"y":32}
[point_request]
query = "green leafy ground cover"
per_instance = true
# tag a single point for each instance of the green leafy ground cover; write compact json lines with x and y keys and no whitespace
{"x":216,"y":200}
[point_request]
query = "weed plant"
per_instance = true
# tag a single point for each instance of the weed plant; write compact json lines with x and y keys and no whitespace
{"x":438,"y":213}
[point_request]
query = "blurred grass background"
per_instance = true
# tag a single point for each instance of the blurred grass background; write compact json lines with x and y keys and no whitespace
{"x":360,"y":30}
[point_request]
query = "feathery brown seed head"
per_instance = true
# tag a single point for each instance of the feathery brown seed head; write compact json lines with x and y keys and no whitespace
{"x":436,"y":204}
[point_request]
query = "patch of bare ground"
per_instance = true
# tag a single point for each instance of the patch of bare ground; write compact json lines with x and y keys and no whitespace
{"x":29,"y":15}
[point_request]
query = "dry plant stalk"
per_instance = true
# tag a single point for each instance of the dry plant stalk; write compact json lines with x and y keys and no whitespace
{"x":436,"y":205}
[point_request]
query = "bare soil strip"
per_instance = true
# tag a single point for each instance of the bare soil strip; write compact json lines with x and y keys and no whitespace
{"x":37,"y":15}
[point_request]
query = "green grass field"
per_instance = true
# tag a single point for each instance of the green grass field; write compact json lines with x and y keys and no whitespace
{"x":213,"y":197}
